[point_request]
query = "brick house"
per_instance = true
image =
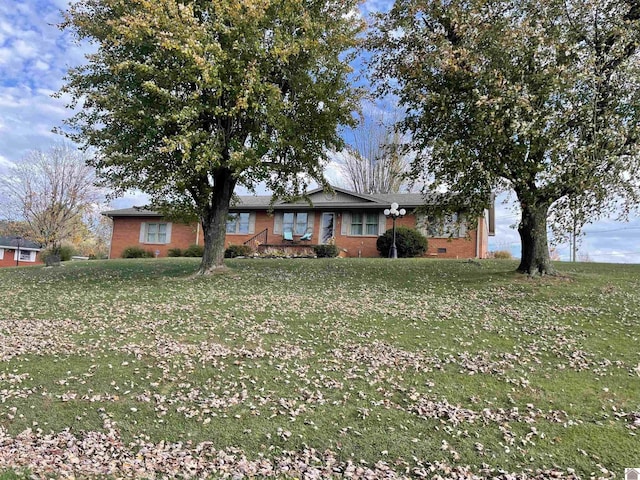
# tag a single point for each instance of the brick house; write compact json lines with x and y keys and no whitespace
{"x":15,"y":251}
{"x":352,"y":221}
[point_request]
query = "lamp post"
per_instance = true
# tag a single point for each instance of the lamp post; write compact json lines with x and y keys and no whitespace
{"x":394,"y":213}
{"x":18,"y":240}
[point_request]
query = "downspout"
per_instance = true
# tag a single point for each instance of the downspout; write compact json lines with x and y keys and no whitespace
{"x":197,"y":232}
{"x":478,"y":239}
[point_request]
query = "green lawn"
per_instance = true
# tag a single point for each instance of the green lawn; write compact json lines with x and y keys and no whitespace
{"x":311,"y":368}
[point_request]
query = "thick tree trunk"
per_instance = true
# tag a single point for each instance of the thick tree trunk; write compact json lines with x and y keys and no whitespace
{"x":214,"y":221}
{"x":535,"y":258}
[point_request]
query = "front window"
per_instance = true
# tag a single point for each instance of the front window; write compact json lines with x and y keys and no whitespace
{"x":364,"y":224}
{"x":295,"y":222}
{"x":156,"y":233}
{"x":441,"y":227}
{"x":371,"y":224}
{"x":356,"y":224}
{"x":24,"y":255}
{"x":238,"y":223}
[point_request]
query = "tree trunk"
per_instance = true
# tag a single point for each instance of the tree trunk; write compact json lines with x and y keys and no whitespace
{"x":535,"y":258}
{"x":214,"y":221}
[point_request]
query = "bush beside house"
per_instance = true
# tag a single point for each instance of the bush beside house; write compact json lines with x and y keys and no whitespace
{"x":326,"y":251}
{"x":409,"y":242}
{"x":234,"y":251}
{"x":136,"y":252}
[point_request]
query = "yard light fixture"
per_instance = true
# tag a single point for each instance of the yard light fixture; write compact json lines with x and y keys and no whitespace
{"x":18,"y":240}
{"x":394,"y":212}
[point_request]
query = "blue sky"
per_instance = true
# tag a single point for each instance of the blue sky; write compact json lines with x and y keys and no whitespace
{"x":35,"y":55}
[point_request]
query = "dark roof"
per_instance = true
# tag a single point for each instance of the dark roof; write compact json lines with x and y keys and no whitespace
{"x":12,"y":242}
{"x":321,"y":201}
{"x":131,"y":212}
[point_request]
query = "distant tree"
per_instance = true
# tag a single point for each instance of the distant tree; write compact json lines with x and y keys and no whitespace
{"x":15,"y":228}
{"x":51,"y":190}
{"x":185,"y":99}
{"x":91,"y":235}
{"x":554,"y":254}
{"x":375,"y":160}
{"x":585,"y":257}
{"x":538,"y":95}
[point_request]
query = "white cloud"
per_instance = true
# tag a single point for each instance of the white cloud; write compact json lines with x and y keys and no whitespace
{"x":133,"y":198}
{"x":42,"y":66}
{"x":5,"y":163}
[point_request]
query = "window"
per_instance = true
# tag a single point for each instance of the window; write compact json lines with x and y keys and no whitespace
{"x":442,"y":227}
{"x":295,"y":222}
{"x":1,"y":253}
{"x":25,"y":256}
{"x":364,"y":224}
{"x":238,"y":223}
{"x":356,"y":224}
{"x":156,"y":233}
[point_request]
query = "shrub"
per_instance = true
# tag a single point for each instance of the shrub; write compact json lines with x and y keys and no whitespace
{"x":174,"y":252}
{"x":136,"y":252}
{"x":409,"y":242}
{"x":233,"y":251}
{"x":194,"y":251}
{"x":326,"y":251}
{"x":64,"y":253}
{"x":502,"y":255}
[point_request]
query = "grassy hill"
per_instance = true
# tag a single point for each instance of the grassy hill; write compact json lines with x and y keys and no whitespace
{"x":313,"y":368}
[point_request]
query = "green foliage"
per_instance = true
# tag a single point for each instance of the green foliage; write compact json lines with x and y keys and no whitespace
{"x":536,"y":95}
{"x":326,"y":251}
{"x":193,"y":251}
{"x":65,"y":252}
{"x":409,"y":242}
{"x":175,"y":252}
{"x":233,"y":251}
{"x":502,"y":255}
{"x":136,"y":252}
{"x":185,"y":99}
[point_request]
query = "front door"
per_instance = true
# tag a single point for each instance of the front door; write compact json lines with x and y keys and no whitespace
{"x":327,"y":227}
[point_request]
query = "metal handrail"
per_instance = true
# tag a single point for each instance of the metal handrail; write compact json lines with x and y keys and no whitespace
{"x":258,"y":239}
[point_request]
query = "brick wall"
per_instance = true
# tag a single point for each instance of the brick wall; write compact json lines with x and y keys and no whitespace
{"x":8,"y":260}
{"x":366,"y":246}
{"x":126,"y":233}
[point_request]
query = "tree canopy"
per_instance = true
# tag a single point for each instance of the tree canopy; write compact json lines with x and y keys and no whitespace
{"x":375,"y":160}
{"x":539,"y":95}
{"x":184,"y":100}
{"x":51,"y":191}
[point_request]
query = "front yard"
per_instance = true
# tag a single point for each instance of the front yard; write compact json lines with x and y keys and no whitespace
{"x":361,"y":368}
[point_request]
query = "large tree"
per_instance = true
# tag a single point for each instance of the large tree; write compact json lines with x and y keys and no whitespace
{"x":51,"y":191}
{"x":539,"y":95}
{"x":185,"y":99}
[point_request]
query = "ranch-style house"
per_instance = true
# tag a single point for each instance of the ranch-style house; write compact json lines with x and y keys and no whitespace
{"x":16,"y":251}
{"x":352,"y":221}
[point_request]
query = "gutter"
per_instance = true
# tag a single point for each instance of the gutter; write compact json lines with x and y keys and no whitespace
{"x":111,"y":237}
